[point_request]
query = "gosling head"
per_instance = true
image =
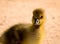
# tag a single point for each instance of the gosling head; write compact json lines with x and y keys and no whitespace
{"x":38,"y":17}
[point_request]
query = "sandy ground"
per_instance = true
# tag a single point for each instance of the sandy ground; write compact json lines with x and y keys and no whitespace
{"x":20,"y":11}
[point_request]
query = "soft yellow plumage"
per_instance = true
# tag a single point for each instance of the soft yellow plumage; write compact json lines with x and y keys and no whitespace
{"x":42,"y":29}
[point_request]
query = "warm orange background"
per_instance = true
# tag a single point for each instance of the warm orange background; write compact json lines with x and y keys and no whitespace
{"x":20,"y":11}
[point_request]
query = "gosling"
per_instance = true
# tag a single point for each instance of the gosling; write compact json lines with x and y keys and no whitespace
{"x":26,"y":33}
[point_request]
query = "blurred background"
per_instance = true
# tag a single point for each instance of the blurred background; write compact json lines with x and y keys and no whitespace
{"x":20,"y":11}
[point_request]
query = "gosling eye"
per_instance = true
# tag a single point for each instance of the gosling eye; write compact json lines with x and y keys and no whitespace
{"x":41,"y":17}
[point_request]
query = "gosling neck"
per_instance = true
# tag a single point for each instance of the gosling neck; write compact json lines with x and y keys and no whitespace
{"x":36,"y":26}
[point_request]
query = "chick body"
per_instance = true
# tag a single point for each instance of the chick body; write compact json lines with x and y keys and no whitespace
{"x":26,"y":33}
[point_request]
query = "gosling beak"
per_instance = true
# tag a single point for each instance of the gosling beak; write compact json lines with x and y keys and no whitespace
{"x":37,"y":21}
